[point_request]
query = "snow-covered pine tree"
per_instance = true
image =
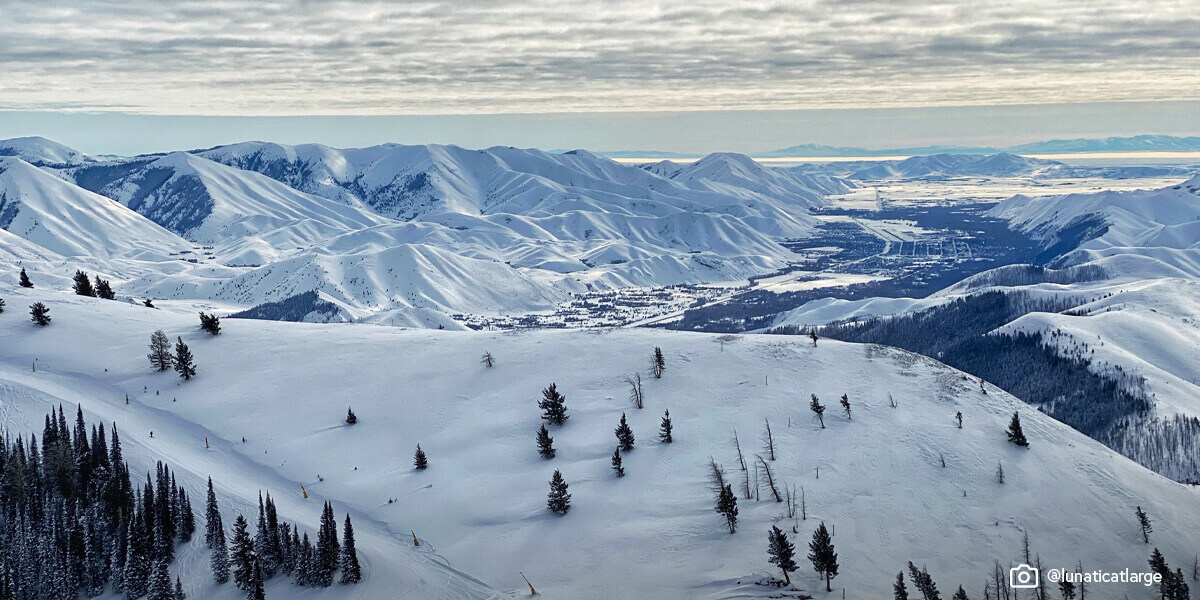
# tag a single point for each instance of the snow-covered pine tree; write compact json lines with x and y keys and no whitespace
{"x":351,"y":570}
{"x":554,"y":406}
{"x":39,"y":314}
{"x":183,"y":360}
{"x":256,"y":591}
{"x":664,"y":430}
{"x":1144,"y":524}
{"x":328,"y":553}
{"x":816,"y":406}
{"x":624,"y":435}
{"x":822,"y":555}
{"x":24,"y":280}
{"x":616,"y":462}
{"x":219,"y":562}
{"x":658,"y":364}
{"x":781,"y":553}
{"x":83,"y":285}
{"x":961,"y":594}
{"x":923,"y":582}
{"x":420,"y":461}
{"x":160,"y":582}
{"x":305,"y":563}
{"x":179,"y":593}
{"x":242,"y":555}
{"x":104,"y":289}
{"x":558,"y":500}
{"x":899,"y":590}
{"x":351,"y":418}
{"x":213,"y":527}
{"x":727,"y":507}
{"x":1015,"y":434}
{"x":160,"y":351}
{"x":545,"y":443}
{"x":210,"y":323}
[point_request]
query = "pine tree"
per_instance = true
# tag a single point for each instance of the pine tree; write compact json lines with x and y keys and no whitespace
{"x":351,"y":418}
{"x":488,"y":360}
{"x":256,"y":591}
{"x":242,"y":555}
{"x":961,"y":594}
{"x":1015,"y":435}
{"x":351,"y":570}
{"x":820,"y":552}
{"x":304,"y":563}
{"x":328,"y":553}
{"x":657,"y":364}
{"x":83,"y":285}
{"x":39,"y":314}
{"x":1158,"y":565}
{"x":104,"y":289}
{"x":554,"y":406}
{"x":899,"y":590}
{"x":1067,"y":590}
{"x":664,"y":430}
{"x":1144,"y":524}
{"x":24,"y":280}
{"x":160,"y":582}
{"x":1000,"y":473}
{"x":179,"y":593}
{"x":924,"y":583}
{"x":558,"y":501}
{"x":624,"y":435}
{"x":616,"y":462}
{"x":220,"y":557}
{"x":817,"y":408}
{"x":545,"y":443}
{"x":160,"y":351}
{"x":210,"y":323}
{"x":183,"y":360}
{"x":420,"y":461}
{"x":781,"y":553}
{"x":727,"y":507}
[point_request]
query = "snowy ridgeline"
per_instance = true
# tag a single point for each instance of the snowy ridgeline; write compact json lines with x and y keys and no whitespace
{"x":893,"y":484}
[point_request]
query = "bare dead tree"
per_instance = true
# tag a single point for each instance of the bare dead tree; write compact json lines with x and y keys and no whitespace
{"x":488,"y":360}
{"x":716,"y":476}
{"x":891,"y":400}
{"x":769,"y":441}
{"x":803,"y":506}
{"x":746,"y":483}
{"x":741,"y":459}
{"x":635,"y":389}
{"x":770,"y":478}
{"x":792,"y":499}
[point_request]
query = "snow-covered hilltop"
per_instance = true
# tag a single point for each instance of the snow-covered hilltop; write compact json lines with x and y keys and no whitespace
{"x":876,"y":479}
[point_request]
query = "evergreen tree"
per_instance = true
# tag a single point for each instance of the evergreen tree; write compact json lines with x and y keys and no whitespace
{"x":616,"y":462}
{"x":104,"y":289}
{"x":214,"y":529}
{"x":210,"y":323}
{"x":818,"y":408}
{"x":1067,"y":590}
{"x":304,"y":563}
{"x":545,"y":443}
{"x":179,"y":593}
{"x":924,"y":583}
{"x":39,"y":314}
{"x":727,"y":507}
{"x":83,"y":285}
{"x":624,"y":435}
{"x":1,"y":305}
{"x":1144,"y":524}
{"x":899,"y":590}
{"x":657,"y":364}
{"x":242,"y":555}
{"x":219,"y":562}
{"x":488,"y":360}
{"x":961,"y":594}
{"x":183,"y":360}
{"x":558,"y":501}
{"x":160,"y":351}
{"x":664,"y":430}
{"x":24,"y":280}
{"x":351,"y":570}
{"x":256,"y":591}
{"x":554,"y":406}
{"x":820,"y":552}
{"x":420,"y":461}
{"x":351,"y":418}
{"x":328,"y":552}
{"x":781,"y":553}
{"x":160,"y":582}
{"x":1015,"y":435}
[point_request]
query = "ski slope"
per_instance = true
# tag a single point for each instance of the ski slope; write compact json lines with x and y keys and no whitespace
{"x":480,"y":507}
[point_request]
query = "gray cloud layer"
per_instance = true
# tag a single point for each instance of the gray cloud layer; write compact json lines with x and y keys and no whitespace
{"x":350,"y":57}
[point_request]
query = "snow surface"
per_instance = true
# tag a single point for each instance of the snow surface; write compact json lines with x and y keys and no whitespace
{"x":480,"y":508}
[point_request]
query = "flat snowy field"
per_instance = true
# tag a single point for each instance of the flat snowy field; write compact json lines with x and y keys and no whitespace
{"x":480,"y":507}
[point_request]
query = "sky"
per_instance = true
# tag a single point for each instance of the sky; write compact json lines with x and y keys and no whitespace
{"x":550,"y":73}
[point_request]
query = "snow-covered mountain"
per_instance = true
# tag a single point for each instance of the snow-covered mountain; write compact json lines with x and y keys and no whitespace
{"x":209,"y":203}
{"x":70,"y":221}
{"x":479,"y":511}
{"x":939,"y":166}
{"x":42,"y":152}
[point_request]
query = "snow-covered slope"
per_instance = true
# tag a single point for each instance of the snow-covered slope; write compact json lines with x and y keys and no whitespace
{"x":43,"y":152}
{"x":209,"y":203}
{"x":480,"y":508}
{"x":71,"y":221}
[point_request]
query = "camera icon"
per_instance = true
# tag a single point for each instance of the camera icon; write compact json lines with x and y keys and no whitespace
{"x":1023,"y":577}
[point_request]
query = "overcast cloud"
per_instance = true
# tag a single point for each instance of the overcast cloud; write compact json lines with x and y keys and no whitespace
{"x":260,"y":57}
